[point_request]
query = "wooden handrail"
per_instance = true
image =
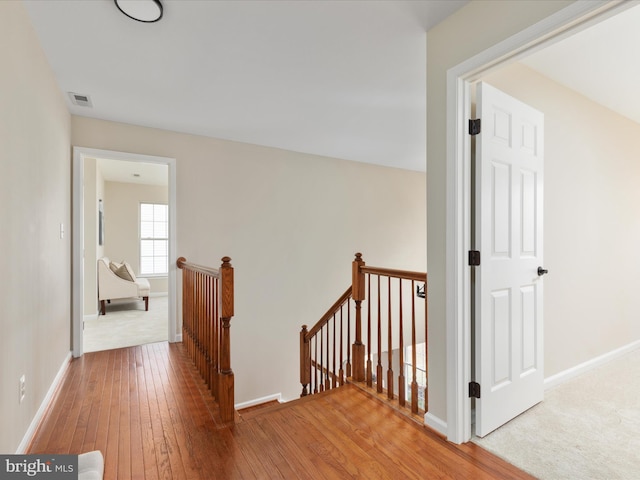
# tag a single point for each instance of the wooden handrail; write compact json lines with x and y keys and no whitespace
{"x":389,"y":272}
{"x":183,"y":264}
{"x":207,"y":309}
{"x":322,"y":344}
{"x":325,"y":318}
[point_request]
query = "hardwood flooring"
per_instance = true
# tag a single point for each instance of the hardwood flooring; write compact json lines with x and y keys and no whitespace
{"x":148,"y":412}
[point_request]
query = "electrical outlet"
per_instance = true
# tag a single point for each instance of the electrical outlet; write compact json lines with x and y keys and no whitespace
{"x":22,"y":389}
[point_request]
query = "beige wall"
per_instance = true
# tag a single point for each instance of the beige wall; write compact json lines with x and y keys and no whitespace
{"x":291,"y":223}
{"x":591,"y":220}
{"x":469,"y":31}
{"x":34,"y":201}
{"x":122,"y":213}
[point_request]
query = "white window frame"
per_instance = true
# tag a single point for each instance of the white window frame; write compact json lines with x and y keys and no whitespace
{"x":141,"y":239}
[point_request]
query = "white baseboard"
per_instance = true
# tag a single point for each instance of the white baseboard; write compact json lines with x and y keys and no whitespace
{"x":178,"y":337}
{"x":435,"y":423}
{"x":26,"y":440}
{"x":91,"y":317}
{"x":562,"y":377}
{"x":258,"y":401}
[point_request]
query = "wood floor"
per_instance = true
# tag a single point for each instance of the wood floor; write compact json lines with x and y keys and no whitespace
{"x":146,"y":410}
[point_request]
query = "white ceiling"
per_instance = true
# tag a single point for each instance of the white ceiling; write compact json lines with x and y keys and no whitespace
{"x":133,"y":172}
{"x":600,"y":62}
{"x":341,"y":78}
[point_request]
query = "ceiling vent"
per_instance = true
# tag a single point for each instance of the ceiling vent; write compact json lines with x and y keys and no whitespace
{"x":80,"y":99}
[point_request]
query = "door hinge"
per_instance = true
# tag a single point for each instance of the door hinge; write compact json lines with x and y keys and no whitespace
{"x":474,"y":390}
{"x":474,"y":258}
{"x":474,"y":126}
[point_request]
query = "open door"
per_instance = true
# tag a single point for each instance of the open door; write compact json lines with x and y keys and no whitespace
{"x":509,"y":236}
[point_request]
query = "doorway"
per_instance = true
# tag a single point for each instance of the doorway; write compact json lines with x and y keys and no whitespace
{"x":81,"y":250}
{"x":459,"y":79}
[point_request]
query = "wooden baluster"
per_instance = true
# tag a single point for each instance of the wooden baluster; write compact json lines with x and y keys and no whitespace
{"x":305,"y":361}
{"x":334,"y":383}
{"x":203,"y":322}
{"x":211,"y":307}
{"x":185,"y":340}
{"x":426,"y":348}
{"x":390,"y":346}
{"x":414,"y":382}
{"x":185,"y":311}
{"x":196,"y":313}
{"x":199,"y":303}
{"x":215,"y":355}
{"x":219,"y":328}
{"x":226,"y":380}
{"x":192,"y":338}
{"x":369,"y":367}
{"x":315,"y":363}
{"x":341,"y":370}
{"x":196,"y":323}
{"x":358,"y":295}
{"x":379,"y":369}
{"x":349,"y":338}
{"x":203,"y":328}
{"x":190,"y":294}
{"x":327,"y":379}
{"x":401,"y":379}
{"x":322,"y":359}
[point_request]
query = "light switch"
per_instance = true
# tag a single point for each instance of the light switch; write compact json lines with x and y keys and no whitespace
{"x":61,"y":231}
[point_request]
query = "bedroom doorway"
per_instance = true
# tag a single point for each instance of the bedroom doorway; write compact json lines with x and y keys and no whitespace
{"x":109,"y":189}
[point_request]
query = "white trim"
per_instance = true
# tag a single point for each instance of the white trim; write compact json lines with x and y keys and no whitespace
{"x":28,"y":436}
{"x":573,"y":372}
{"x":259,"y":401}
{"x":435,"y":423}
{"x":79,"y":154}
{"x":77,"y":252}
{"x":91,"y":317}
{"x":567,"y":21}
{"x":178,"y":337}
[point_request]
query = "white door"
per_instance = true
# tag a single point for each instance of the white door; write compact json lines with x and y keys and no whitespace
{"x":509,"y":224}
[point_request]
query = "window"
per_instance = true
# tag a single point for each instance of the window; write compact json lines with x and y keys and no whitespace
{"x":154,"y":242}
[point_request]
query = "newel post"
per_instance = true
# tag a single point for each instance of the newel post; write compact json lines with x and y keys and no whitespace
{"x":357,"y":293}
{"x":305,"y":361}
{"x":225,"y":376}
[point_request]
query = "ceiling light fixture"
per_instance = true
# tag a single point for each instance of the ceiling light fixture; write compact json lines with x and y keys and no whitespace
{"x":146,"y":11}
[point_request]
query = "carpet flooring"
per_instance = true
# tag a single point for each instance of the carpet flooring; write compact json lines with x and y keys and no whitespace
{"x":586,"y":428}
{"x":126,"y":324}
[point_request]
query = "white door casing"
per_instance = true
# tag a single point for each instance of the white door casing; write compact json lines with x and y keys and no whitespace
{"x":79,"y":154}
{"x":509,"y":236}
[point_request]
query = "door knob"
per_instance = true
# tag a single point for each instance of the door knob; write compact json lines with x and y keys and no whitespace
{"x":542,"y":271}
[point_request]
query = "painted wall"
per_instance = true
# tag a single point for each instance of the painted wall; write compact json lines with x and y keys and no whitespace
{"x":35,"y":187}
{"x":469,"y":31}
{"x":122,"y":214}
{"x":591,"y":220}
{"x":291,"y":223}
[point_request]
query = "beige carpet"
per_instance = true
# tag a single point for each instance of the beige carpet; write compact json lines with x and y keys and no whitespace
{"x":127,"y":324}
{"x":586,"y":429}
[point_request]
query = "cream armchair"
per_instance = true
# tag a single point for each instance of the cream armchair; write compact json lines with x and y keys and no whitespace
{"x":111,"y":286}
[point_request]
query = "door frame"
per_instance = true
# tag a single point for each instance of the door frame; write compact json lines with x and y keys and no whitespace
{"x":77,"y":290}
{"x":566,"y":22}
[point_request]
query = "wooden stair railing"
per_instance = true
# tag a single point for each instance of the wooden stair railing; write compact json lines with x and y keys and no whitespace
{"x":388,"y":306}
{"x":207,"y":308}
